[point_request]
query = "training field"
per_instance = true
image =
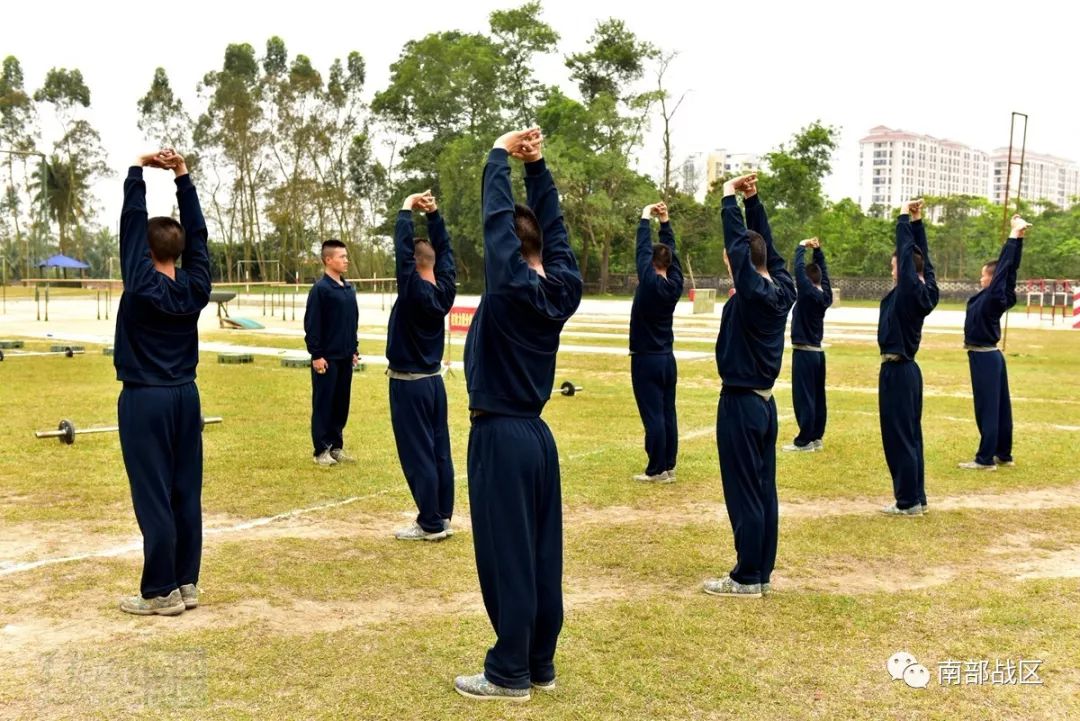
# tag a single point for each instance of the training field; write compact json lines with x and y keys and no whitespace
{"x":312,"y":610}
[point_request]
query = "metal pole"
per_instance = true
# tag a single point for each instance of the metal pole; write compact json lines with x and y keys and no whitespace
{"x":1005,"y":200}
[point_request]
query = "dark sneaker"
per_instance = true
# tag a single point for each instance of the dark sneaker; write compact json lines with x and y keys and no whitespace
{"x":894,"y":510}
{"x":171,"y":605}
{"x":190,"y":594}
{"x":478,"y":687}
{"x":730,"y":587}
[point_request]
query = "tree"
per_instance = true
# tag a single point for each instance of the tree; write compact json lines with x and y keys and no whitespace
{"x":17,"y":133}
{"x":163,"y":119}
{"x":78,"y":157}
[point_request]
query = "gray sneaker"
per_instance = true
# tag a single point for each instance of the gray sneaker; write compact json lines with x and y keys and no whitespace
{"x":547,"y":686}
{"x":1000,"y":462}
{"x":819,"y":445}
{"x":766,"y":589}
{"x":925,"y":509}
{"x":325,"y":459}
{"x":341,"y":456}
{"x":670,"y":473}
{"x":190,"y":594}
{"x":446,"y":527}
{"x":976,"y":466}
{"x":478,"y":687}
{"x":171,"y":605}
{"x":790,"y":447}
{"x":661,"y":477}
{"x":894,"y":510}
{"x":416,"y":533}
{"x":730,"y":587}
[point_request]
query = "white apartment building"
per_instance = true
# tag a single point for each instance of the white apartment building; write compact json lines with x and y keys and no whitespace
{"x":896,"y":165}
{"x":1045,"y":177}
{"x":721,"y":162}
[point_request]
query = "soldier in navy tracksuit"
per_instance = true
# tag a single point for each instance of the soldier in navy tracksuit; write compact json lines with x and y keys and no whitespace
{"x":160,"y":418}
{"x":982,"y":331}
{"x":330,"y":322}
{"x":532,"y":287}
{"x":900,"y":385}
{"x":414,"y":347}
{"x":749,"y":350}
{"x":653,"y":372}
{"x":807,"y":355}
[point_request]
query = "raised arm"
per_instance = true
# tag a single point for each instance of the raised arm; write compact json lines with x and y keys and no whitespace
{"x":826,"y":284}
{"x":737,"y":244}
{"x":929,"y":299}
{"x":504,"y":267}
{"x":1003,"y":284}
{"x":644,"y":254}
{"x":543,"y":197}
{"x":404,"y":242}
{"x":442,"y":294}
{"x":667,"y":237}
{"x":136,"y":265}
{"x":195,"y":260}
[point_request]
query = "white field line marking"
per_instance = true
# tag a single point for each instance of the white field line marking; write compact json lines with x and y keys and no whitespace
{"x":7,"y":570}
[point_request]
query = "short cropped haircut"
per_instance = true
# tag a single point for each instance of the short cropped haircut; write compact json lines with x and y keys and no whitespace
{"x":813,"y":272}
{"x":916,"y":257}
{"x":424,"y":252}
{"x":165,"y":236}
{"x":661,"y":256}
{"x":527,"y":229}
{"x":757,"y":249}
{"x":329,"y":246}
{"x":991,"y":265}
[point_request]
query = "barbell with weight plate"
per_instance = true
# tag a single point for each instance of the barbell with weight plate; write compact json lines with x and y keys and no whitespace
{"x":68,"y":352}
{"x":66,"y":431}
{"x":567,"y":389}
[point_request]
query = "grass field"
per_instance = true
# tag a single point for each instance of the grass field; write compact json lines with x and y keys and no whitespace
{"x":322,"y":614}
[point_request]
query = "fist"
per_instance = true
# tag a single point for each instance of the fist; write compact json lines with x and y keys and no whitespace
{"x":1019,"y":226}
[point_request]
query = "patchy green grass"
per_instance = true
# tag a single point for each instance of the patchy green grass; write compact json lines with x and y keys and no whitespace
{"x":324,"y":615}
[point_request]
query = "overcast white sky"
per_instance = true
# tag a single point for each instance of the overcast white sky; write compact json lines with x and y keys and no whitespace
{"x":754,"y":76}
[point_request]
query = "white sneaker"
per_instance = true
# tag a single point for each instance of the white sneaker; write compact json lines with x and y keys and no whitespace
{"x":1000,"y":462}
{"x":325,"y":459}
{"x":446,"y":527}
{"x":661,"y":477}
{"x":819,"y":445}
{"x":976,"y":466}
{"x":670,"y":473}
{"x":416,"y":533}
{"x":809,"y":447}
{"x":341,"y":456}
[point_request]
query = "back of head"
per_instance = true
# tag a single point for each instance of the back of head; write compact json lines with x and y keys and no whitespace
{"x":990,"y":266}
{"x":329,"y":246}
{"x":424,"y":253}
{"x":165,"y":236}
{"x":527,"y":229}
{"x":661,"y":256}
{"x":917,"y":259}
{"x":813,"y":272}
{"x":757,"y":250}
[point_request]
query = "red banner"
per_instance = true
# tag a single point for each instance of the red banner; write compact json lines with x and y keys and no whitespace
{"x":461,"y":318}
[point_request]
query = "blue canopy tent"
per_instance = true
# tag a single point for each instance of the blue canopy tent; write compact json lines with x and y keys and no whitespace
{"x":58,"y":261}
